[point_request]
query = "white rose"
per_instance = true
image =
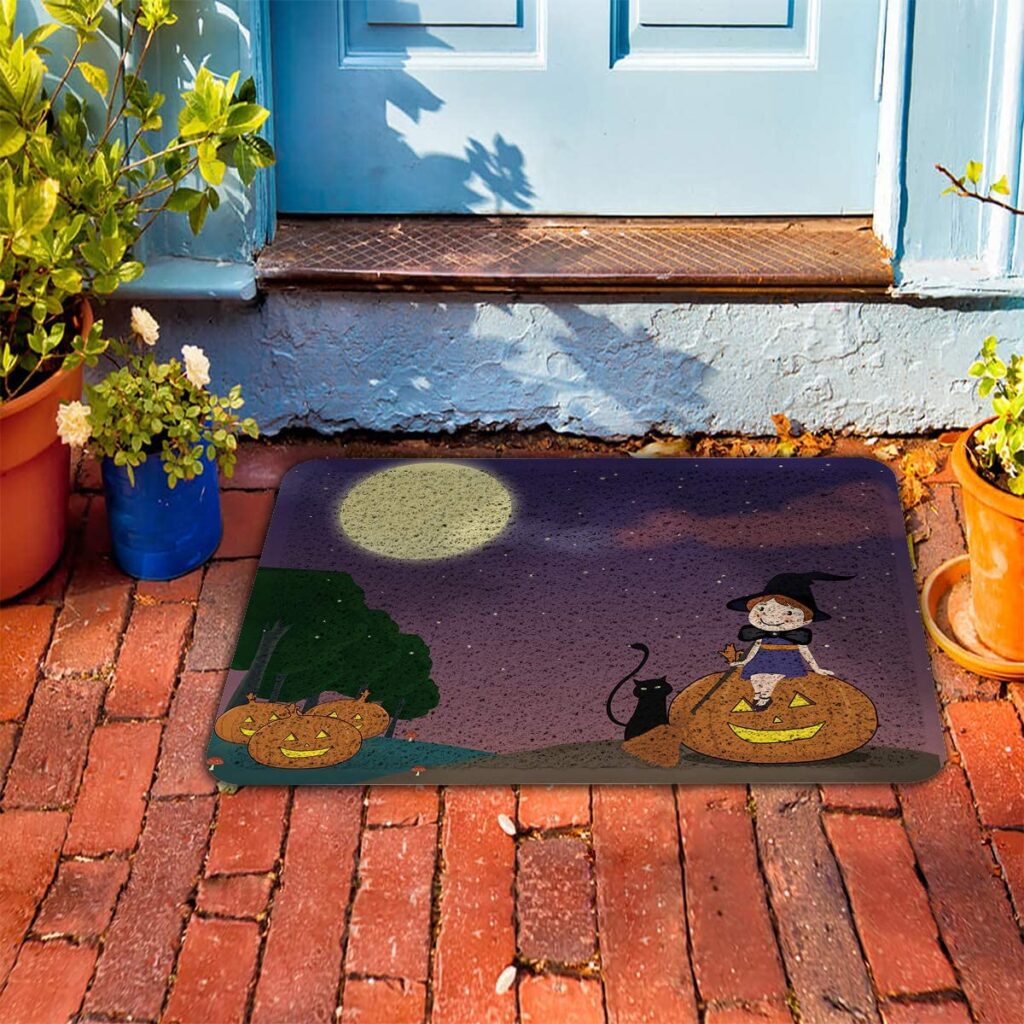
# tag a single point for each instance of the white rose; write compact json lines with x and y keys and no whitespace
{"x":144,"y":326}
{"x":73,"y":423}
{"x":197,"y":366}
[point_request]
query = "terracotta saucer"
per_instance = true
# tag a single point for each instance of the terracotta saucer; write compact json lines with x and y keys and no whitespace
{"x":945,"y":605}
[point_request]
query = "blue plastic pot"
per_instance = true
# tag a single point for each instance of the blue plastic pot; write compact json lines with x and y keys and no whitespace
{"x":158,"y":533}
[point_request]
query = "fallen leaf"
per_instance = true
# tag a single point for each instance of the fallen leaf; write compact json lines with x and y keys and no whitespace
{"x":664,"y":449}
{"x":888,"y":451}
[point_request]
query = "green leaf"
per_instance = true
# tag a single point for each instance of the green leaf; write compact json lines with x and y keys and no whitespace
{"x":973,"y":171}
{"x":37,"y":207}
{"x":130,"y":270}
{"x":976,"y":370}
{"x":12,"y":135}
{"x":41,"y":33}
{"x":183,"y":200}
{"x":197,"y":215}
{"x":95,"y":76}
{"x":1002,"y":186}
{"x":244,"y":118}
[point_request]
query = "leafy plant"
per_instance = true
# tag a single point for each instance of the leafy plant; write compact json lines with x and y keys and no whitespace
{"x":998,"y":446}
{"x":82,"y":180}
{"x":146,"y":408}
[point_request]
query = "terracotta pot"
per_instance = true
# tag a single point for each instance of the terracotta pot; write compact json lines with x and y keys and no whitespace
{"x":994,"y":521}
{"x":35,"y":468}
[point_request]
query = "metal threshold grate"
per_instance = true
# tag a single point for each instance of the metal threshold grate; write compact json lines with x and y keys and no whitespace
{"x":539,"y":254}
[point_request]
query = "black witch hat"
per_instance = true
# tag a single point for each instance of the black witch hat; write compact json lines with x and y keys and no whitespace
{"x":795,"y":585}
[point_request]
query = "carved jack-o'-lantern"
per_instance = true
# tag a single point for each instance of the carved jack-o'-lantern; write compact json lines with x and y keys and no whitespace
{"x":370,"y":719}
{"x":236,"y":725}
{"x":811,"y":718}
{"x":304,"y":741}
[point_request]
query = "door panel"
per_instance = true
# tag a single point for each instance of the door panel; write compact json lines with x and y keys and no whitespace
{"x":737,"y":107}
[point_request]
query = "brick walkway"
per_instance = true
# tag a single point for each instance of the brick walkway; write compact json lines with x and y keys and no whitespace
{"x":131,"y":890}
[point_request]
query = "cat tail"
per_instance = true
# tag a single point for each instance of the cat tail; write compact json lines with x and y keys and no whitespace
{"x":625,"y":679}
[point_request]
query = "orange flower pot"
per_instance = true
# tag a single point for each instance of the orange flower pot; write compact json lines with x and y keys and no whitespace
{"x":994,"y":521}
{"x":35,"y":468}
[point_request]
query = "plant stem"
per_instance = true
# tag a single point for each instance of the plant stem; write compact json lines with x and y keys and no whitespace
{"x":60,"y":84}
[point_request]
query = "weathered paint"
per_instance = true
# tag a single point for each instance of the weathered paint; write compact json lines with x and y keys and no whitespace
{"x":333,"y":361}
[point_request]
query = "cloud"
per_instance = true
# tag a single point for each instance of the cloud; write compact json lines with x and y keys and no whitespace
{"x":847,"y":514}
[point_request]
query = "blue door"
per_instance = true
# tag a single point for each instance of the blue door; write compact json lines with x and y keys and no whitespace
{"x":738,"y":107}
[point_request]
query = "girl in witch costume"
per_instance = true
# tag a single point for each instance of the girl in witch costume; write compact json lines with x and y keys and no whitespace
{"x":778,"y":619}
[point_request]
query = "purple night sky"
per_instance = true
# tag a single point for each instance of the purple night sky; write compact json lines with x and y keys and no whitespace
{"x":530,"y":633}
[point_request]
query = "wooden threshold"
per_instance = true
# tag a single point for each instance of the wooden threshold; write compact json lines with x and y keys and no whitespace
{"x":826,"y":255}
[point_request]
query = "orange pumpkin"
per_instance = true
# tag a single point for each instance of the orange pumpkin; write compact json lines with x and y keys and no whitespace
{"x":811,"y":718}
{"x":369,"y":718}
{"x":237,"y":724}
{"x":296,"y":740}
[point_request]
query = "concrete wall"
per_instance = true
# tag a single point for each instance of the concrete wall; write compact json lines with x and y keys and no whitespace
{"x":333,"y":361}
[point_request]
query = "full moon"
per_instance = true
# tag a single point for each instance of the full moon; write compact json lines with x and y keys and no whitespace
{"x":425,"y":511}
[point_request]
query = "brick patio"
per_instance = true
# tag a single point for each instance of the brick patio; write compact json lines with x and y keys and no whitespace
{"x":131,"y":890}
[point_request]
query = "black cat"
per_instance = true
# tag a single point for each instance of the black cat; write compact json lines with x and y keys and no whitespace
{"x":652,"y":694}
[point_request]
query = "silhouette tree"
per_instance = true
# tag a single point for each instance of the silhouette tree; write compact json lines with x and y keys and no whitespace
{"x":307,"y":632}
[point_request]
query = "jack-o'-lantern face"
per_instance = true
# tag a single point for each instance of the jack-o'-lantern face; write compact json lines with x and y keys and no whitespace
{"x":238,"y":724}
{"x":811,"y":718}
{"x":370,"y":719}
{"x":304,"y":741}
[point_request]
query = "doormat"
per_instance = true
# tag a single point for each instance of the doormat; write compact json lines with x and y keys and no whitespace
{"x":589,"y":620}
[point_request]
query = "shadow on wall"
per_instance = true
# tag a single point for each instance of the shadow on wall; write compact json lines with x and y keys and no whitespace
{"x":332,"y":362}
{"x":385,"y":173}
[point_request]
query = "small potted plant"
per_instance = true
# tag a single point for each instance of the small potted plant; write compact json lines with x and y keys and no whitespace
{"x":988,"y":462}
{"x":162,"y":434}
{"x":85,"y":168}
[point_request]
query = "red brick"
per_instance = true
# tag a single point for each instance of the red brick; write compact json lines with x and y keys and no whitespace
{"x":1015,"y":691}
{"x":47,"y":983}
{"x":476,"y":941}
{"x":819,"y":944}
{"x":215,"y":970}
{"x":89,"y":627}
{"x":376,"y":1000}
{"x":242,"y":896}
{"x":112,"y":799}
{"x":970,"y":903}
{"x":641,"y":914}
{"x":184,"y":588}
{"x":544,"y":998}
{"x":81,"y":901}
{"x":554,"y":806}
{"x":247,"y":838}
{"x":389,"y":934}
{"x":1009,"y":847}
{"x":771,"y":1011}
{"x":142,"y":942}
{"x":927,"y":1013}
{"x":725,"y":901}
{"x":301,"y":967}
{"x":8,"y":740}
{"x":29,"y":848}
{"x":890,"y":906}
{"x":219,"y":616}
{"x":878,"y":798}
{"x":182,"y":769}
{"x":263,"y":464}
{"x":54,"y":743}
{"x":988,"y":736}
{"x":24,"y":636}
{"x":148,"y":663}
{"x":936,"y":521}
{"x":956,"y":683}
{"x":555,"y":890}
{"x":402,"y":805}
{"x":246,"y":518}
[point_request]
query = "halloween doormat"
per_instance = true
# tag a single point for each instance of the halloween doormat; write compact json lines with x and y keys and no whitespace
{"x":581,"y":621}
